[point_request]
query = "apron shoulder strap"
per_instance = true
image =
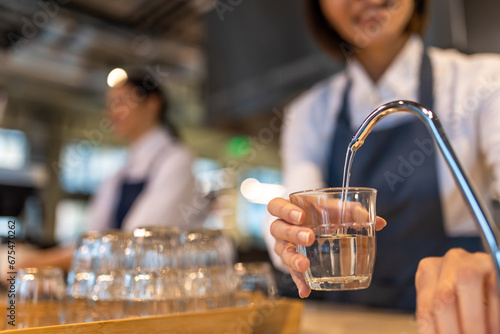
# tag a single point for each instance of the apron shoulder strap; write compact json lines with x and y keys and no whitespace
{"x":425,"y":93}
{"x":426,"y":86}
{"x":343,"y":116}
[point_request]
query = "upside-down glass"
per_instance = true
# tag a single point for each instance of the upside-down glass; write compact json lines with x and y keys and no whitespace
{"x":343,"y":253}
{"x":254,"y":282}
{"x":108,"y":275}
{"x":39,"y":297}
{"x":80,"y":277}
{"x":153,"y":279}
{"x":208,"y":258}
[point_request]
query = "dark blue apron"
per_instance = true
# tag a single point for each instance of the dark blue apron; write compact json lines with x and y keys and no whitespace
{"x":399,"y":162}
{"x":129,"y":191}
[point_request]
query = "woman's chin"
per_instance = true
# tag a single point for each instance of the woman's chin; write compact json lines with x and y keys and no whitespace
{"x":121,"y":134}
{"x":375,"y":38}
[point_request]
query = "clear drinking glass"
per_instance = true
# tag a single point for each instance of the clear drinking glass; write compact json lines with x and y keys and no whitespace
{"x":39,"y":297}
{"x":208,"y":258}
{"x":153,"y":278}
{"x":108,"y":275}
{"x":343,"y":253}
{"x":254,"y":282}
{"x":80,"y":277}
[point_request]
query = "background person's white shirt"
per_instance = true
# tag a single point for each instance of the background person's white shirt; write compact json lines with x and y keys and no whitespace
{"x":169,"y":197}
{"x":466,"y":100}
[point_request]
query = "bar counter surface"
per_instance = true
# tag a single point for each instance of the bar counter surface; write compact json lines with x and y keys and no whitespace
{"x":286,"y":316}
{"x":323,"y":318}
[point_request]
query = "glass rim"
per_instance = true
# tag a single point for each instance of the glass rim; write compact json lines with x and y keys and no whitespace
{"x":42,"y":270}
{"x":116,"y":233}
{"x":334,"y":190}
{"x":90,"y":235}
{"x":252,"y":266}
{"x":158,"y":231}
{"x":201,"y":234}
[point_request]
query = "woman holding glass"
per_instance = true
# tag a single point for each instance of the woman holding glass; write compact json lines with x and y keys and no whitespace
{"x":386,"y":59}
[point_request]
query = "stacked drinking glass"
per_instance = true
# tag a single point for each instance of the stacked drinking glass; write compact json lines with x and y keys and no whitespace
{"x":152,"y":271}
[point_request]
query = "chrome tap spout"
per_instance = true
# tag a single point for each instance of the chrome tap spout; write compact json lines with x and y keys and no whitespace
{"x":489,"y":231}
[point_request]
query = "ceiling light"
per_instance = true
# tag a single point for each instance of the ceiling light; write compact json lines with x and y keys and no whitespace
{"x":116,"y":76}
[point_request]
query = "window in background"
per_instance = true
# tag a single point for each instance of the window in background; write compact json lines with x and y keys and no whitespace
{"x":4,"y":227}
{"x":207,"y":173}
{"x":84,"y":166}
{"x":258,"y":187}
{"x":70,"y":220}
{"x":14,"y":150}
{"x":217,"y":185}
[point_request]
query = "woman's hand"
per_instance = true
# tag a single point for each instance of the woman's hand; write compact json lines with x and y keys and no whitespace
{"x":458,"y":294}
{"x":288,"y":233}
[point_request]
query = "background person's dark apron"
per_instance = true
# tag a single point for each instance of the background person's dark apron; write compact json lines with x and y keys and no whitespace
{"x":129,"y":191}
{"x":401,"y":164}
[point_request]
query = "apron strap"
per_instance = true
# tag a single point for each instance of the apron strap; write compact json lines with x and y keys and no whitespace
{"x":343,"y":117}
{"x":130,"y":191}
{"x":425,"y":90}
{"x":379,"y":166}
{"x":426,"y":87}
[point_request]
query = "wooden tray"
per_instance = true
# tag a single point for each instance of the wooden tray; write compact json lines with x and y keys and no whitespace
{"x":281,"y":316}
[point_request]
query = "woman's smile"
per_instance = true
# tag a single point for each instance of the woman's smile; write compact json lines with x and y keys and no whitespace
{"x":373,"y":12}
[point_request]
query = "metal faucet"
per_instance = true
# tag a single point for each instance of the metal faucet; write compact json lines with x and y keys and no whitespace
{"x":489,"y":231}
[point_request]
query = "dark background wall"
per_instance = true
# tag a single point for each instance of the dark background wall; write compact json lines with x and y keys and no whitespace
{"x":260,"y":54}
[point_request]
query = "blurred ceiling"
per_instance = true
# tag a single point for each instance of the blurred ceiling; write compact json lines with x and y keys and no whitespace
{"x":56,"y":53}
{"x":55,"y":56}
{"x":72,"y":45}
{"x":178,"y":20}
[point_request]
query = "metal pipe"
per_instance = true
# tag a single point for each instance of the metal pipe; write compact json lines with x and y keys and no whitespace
{"x":489,"y":231}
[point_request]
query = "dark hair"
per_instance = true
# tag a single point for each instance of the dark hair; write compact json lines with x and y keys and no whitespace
{"x":329,"y":39}
{"x":148,"y":85}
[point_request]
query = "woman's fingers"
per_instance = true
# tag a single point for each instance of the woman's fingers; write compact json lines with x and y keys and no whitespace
{"x":293,"y":214}
{"x":297,"y":264}
{"x":354,"y":213}
{"x":287,"y":235}
{"x":493,"y":303}
{"x":282,"y":230}
{"x":457,"y":294}
{"x":445,"y":304}
{"x":380,"y":223}
{"x":289,"y":256}
{"x":298,"y":278}
{"x":285,"y":210}
{"x":426,"y":281}
{"x":471,"y":275}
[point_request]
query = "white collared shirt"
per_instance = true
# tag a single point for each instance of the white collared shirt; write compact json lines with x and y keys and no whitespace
{"x":467,"y":101}
{"x":169,"y":196}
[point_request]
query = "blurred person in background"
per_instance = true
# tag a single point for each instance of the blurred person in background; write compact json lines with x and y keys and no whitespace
{"x":157,"y":180}
{"x":380,"y":42}
{"x":3,"y":101}
{"x":156,"y":187}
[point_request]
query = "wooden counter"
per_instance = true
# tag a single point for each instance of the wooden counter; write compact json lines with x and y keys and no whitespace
{"x":265,"y":317}
{"x":321,"y":317}
{"x":283,"y":317}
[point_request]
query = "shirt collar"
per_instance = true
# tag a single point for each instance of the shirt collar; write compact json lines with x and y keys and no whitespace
{"x":399,"y":81}
{"x":147,"y":146}
{"x":406,"y":65}
{"x":403,"y":75}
